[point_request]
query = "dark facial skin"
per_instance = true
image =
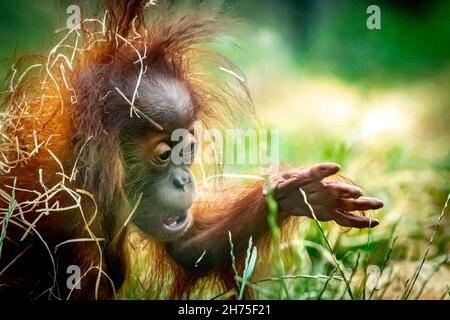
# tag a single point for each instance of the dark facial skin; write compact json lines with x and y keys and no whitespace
{"x":166,"y":190}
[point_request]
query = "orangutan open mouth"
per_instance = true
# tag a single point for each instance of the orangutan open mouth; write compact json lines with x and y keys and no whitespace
{"x":176,"y":222}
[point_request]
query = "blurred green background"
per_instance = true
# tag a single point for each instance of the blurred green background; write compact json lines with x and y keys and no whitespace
{"x":375,"y":101}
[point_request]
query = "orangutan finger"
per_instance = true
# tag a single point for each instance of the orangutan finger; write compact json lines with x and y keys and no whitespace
{"x":291,"y":180}
{"x":344,"y":190}
{"x":323,"y":170}
{"x":362,"y":203}
{"x":302,"y":177}
{"x":354,"y":221}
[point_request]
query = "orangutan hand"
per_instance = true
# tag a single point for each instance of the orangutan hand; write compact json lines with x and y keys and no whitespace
{"x":329,"y":200}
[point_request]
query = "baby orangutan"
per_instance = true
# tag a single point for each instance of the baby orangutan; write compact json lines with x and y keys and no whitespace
{"x":110,"y":170}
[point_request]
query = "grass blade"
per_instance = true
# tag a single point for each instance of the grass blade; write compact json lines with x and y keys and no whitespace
{"x":411,"y":284}
{"x":327,"y":243}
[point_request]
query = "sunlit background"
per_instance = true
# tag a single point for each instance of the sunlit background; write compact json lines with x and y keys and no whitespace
{"x":374,"y":101}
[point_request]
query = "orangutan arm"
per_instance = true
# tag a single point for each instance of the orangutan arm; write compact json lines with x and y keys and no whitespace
{"x":206,"y":243}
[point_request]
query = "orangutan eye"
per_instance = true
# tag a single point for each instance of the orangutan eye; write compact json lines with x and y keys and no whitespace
{"x":162,"y":153}
{"x":165,"y":156}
